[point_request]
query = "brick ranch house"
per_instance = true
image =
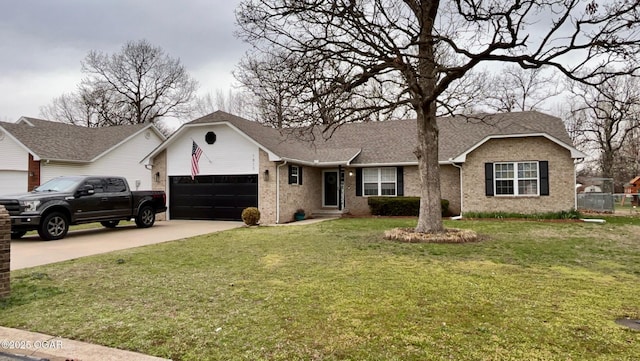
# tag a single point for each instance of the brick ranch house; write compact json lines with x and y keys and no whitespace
{"x":33,"y":151}
{"x":515,"y":162}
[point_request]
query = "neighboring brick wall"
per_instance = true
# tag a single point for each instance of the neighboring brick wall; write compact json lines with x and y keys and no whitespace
{"x":160,"y":166}
{"x":5,"y":252}
{"x":561,"y":176}
{"x":33,"y":173}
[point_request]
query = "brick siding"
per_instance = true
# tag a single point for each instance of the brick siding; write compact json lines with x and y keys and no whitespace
{"x":5,"y":252}
{"x":33,"y":173}
{"x":449,"y":188}
{"x":561,"y":176}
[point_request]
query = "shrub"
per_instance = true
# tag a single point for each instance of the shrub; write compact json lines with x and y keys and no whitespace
{"x":251,"y":216}
{"x":401,"y":206}
{"x":571,"y":214}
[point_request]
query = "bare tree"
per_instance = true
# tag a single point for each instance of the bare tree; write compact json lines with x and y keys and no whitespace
{"x":234,"y":102}
{"x":137,"y":85}
{"x":607,"y":120}
{"x":346,"y":49}
{"x":518,"y":89}
{"x":70,"y":108}
{"x":268,"y":82}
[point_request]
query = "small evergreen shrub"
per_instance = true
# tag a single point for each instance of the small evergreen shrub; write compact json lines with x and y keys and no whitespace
{"x":401,"y":206}
{"x":251,"y":216}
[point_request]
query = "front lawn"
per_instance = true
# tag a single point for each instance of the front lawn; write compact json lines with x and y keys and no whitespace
{"x":337,"y":291}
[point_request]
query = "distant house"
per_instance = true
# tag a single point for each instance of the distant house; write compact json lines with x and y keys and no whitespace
{"x":592,"y":189}
{"x":32,"y":151}
{"x":515,"y":162}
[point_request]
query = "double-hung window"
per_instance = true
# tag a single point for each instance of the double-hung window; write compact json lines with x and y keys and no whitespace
{"x":517,"y":178}
{"x":379,"y":181}
{"x":295,"y":174}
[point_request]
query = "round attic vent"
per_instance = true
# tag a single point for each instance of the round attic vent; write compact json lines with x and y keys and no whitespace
{"x":210,"y":137}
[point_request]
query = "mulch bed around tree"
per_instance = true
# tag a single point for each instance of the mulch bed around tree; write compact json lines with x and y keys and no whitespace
{"x":450,"y":235}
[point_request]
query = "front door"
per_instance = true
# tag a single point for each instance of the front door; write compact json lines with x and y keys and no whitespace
{"x":330,"y":188}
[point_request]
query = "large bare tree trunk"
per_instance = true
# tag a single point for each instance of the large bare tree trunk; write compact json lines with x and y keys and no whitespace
{"x":430,"y":219}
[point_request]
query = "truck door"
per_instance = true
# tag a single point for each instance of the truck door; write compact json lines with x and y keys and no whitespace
{"x":91,"y":206}
{"x":119,"y":198}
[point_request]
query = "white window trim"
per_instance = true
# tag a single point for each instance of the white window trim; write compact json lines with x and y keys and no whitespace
{"x":379,"y":182}
{"x":516,"y":180}
{"x":295,"y":176}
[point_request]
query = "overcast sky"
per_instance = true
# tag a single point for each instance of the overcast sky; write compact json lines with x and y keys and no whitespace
{"x":42,"y":43}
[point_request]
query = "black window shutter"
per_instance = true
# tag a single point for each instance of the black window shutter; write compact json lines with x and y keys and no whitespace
{"x":488,"y":179}
{"x":300,"y":175}
{"x":400,"y":181}
{"x":544,"y":177}
{"x":290,"y":175}
{"x":358,"y":181}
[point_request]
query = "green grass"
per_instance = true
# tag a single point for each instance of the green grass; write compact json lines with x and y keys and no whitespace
{"x":337,"y":291}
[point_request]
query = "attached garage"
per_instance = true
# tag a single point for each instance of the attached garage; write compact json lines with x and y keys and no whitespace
{"x":13,"y":181}
{"x":212,"y":197}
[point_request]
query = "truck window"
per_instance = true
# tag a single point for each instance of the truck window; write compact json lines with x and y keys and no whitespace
{"x":98,"y":184}
{"x":116,"y":185}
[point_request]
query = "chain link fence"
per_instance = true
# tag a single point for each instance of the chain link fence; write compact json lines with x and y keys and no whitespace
{"x":598,"y":196}
{"x":596,"y":202}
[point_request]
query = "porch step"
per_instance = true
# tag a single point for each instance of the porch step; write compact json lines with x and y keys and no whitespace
{"x":326,"y":213}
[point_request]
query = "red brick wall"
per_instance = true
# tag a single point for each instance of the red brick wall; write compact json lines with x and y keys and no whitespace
{"x":34,"y":173}
{"x":5,"y":252}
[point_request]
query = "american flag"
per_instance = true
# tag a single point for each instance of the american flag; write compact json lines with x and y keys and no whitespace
{"x":196,"y":152}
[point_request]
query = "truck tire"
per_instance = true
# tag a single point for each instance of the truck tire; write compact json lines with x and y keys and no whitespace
{"x":17,"y":234}
{"x":146,"y":217}
{"x":109,"y":224}
{"x":53,"y":226}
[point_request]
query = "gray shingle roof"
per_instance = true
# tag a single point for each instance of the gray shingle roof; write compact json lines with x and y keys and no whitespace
{"x":394,"y":141}
{"x":60,"y":141}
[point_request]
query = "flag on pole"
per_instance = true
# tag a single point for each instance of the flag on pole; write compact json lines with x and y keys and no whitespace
{"x":196,"y":152}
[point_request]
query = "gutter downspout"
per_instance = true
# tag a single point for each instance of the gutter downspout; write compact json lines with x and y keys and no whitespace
{"x":278,"y":191}
{"x":461,"y":192}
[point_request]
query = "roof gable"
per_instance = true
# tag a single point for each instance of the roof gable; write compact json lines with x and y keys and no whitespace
{"x":65,"y":142}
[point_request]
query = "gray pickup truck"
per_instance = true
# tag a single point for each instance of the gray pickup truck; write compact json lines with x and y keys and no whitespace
{"x":63,"y":201}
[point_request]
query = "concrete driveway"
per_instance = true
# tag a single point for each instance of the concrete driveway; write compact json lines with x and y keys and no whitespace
{"x":31,"y":251}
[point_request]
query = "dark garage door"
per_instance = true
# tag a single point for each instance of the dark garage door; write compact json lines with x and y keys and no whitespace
{"x":221,"y":197}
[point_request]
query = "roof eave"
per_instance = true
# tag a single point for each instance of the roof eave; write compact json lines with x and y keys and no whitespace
{"x":316,"y":163}
{"x":575,"y":153}
{"x":77,"y":161}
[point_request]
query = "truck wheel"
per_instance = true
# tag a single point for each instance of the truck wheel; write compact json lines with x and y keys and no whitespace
{"x":53,"y":226}
{"x":110,"y":224}
{"x":17,"y":234}
{"x":146,"y":217}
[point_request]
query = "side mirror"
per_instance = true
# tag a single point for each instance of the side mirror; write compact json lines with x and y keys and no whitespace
{"x":85,"y":190}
